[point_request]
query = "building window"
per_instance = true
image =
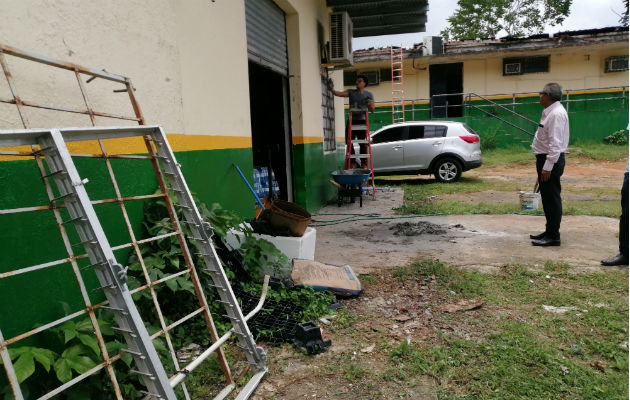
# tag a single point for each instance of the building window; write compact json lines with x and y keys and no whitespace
{"x":616,"y":64}
{"x":386,"y":74}
{"x":525,"y":65}
{"x":349,"y":78}
{"x":328,"y":114}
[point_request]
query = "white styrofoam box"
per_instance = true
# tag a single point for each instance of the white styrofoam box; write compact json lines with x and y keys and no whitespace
{"x":293,"y":247}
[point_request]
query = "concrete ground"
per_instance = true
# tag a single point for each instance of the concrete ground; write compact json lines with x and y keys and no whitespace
{"x":484,"y":242}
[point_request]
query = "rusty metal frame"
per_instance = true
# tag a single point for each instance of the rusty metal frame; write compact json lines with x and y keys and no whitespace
{"x":55,"y":205}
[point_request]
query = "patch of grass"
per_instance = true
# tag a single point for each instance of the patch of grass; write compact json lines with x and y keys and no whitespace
{"x":551,"y":266}
{"x":456,"y":207}
{"x":465,"y":282}
{"x":534,"y":354}
{"x":515,"y":156}
{"x":353,"y":372}
{"x":597,"y":151}
{"x":343,"y":321}
{"x":610,"y":209}
{"x":368,"y":279}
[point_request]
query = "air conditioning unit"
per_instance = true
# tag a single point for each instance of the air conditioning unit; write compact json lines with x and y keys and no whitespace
{"x":512,"y":69}
{"x":340,"y":38}
{"x":616,"y":64}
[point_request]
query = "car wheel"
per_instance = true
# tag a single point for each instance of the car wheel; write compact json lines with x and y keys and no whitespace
{"x":447,"y":170}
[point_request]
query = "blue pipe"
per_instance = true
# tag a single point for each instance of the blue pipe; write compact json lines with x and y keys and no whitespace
{"x":249,"y":186}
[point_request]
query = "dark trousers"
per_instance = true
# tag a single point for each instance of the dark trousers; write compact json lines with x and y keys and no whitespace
{"x":550,"y":195}
{"x":623,"y":220}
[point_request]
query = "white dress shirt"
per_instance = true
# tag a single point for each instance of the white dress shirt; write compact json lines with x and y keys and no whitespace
{"x":553,"y":138}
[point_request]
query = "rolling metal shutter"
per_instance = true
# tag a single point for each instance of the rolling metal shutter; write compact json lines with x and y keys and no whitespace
{"x":266,"y":35}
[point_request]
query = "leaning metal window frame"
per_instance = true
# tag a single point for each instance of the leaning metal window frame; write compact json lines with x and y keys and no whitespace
{"x":65,"y":190}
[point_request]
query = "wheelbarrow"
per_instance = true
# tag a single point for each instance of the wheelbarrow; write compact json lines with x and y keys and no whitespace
{"x":349,"y":183}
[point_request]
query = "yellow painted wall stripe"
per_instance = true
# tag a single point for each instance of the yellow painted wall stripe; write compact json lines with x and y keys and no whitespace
{"x":178,"y":142}
{"x":307,"y":139}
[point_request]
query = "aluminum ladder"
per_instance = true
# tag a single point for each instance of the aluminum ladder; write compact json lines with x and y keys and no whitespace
{"x":365,"y":159}
{"x":398,"y":87}
{"x":111,"y":275}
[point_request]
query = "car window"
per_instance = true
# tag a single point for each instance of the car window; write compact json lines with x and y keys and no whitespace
{"x":426,"y":131}
{"x":434,"y":131}
{"x":416,"y":131}
{"x":469,"y":129}
{"x":393,"y":134}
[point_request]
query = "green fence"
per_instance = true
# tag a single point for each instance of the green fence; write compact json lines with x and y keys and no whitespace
{"x":593,"y":114}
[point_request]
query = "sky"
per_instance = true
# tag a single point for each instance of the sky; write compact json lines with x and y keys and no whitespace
{"x":585,"y":14}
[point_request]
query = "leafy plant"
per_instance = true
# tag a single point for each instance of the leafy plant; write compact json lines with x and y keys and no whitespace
{"x":618,"y":137}
{"x":73,"y":350}
{"x":489,"y":140}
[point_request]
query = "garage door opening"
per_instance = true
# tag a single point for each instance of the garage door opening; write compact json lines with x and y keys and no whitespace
{"x":271,"y":136}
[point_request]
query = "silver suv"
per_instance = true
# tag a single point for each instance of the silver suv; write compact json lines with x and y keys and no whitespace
{"x":442,"y":148}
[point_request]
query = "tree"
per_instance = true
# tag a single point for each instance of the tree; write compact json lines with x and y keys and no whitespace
{"x":486,"y":18}
{"x":623,"y":18}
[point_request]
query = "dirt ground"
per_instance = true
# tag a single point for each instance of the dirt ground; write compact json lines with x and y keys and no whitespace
{"x":479,"y":241}
{"x":375,"y":246}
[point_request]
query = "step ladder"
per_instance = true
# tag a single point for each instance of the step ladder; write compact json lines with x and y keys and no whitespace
{"x":398,"y":87}
{"x":363,"y":131}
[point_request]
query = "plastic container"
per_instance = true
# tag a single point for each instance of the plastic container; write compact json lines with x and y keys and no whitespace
{"x":284,"y":214}
{"x":529,"y":200}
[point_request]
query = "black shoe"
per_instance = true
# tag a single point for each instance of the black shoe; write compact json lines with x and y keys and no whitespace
{"x":619,"y":259}
{"x":546,"y":241}
{"x":538,"y":237}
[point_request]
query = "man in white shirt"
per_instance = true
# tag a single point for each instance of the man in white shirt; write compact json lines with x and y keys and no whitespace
{"x":549,"y":145}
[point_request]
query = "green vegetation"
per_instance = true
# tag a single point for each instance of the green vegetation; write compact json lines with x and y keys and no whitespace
{"x":597,"y":151}
{"x":71,"y":348}
{"x":618,"y":137}
{"x":525,"y":352}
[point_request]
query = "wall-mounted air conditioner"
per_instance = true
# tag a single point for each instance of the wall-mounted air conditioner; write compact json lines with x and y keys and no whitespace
{"x":512,"y":69}
{"x":617,"y":63}
{"x":340,"y":38}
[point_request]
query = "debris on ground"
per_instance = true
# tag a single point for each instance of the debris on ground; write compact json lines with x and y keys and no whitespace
{"x":559,"y":310}
{"x":338,"y":279}
{"x":368,"y":349}
{"x":600,"y":366}
{"x":462,"y":305}
{"x":188,"y":353}
{"x":417,"y":229}
{"x":308,"y":336}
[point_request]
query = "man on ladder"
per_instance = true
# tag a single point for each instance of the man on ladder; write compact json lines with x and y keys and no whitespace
{"x":360,"y":99}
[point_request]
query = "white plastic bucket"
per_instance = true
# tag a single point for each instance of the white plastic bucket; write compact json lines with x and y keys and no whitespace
{"x":529,"y":200}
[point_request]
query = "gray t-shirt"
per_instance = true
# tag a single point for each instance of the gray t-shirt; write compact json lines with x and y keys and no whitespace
{"x":357,"y":100}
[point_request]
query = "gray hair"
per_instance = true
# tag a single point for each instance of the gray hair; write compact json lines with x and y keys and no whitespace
{"x":554,"y":91}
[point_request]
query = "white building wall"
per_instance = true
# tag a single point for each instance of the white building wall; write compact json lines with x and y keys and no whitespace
{"x":125,"y":37}
{"x":186,"y":58}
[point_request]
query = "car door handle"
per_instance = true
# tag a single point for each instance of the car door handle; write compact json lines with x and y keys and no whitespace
{"x":397,"y":147}
{"x":437,"y":143}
